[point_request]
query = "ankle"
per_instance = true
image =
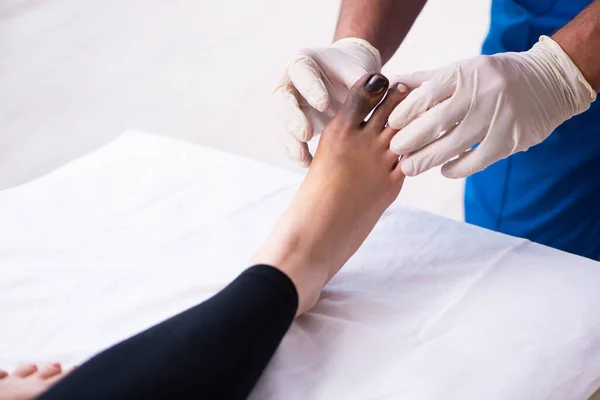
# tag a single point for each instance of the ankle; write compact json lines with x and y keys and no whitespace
{"x":293,"y":257}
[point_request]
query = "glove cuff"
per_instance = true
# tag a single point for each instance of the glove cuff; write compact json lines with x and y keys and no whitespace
{"x":365,"y":45}
{"x":580,"y":91}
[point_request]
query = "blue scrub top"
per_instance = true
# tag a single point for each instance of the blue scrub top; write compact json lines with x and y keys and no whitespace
{"x":517,"y":24}
{"x":551,"y":193}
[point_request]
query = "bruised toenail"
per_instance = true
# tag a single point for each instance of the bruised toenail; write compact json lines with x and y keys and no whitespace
{"x":376,"y":84}
{"x":402,"y":88}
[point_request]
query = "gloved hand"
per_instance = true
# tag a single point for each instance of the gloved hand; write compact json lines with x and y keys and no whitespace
{"x":314,"y":87}
{"x":507,"y":103}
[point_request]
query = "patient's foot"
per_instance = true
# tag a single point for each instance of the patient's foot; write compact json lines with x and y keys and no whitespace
{"x":353,"y":179}
{"x":28,"y":381}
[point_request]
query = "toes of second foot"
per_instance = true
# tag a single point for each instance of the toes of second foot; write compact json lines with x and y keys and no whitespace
{"x":50,"y":370}
{"x":25,"y":370}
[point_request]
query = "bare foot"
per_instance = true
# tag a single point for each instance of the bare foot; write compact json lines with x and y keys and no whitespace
{"x":353,"y":179}
{"x":28,"y":381}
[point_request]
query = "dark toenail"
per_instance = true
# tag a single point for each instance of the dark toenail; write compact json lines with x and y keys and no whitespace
{"x":376,"y":84}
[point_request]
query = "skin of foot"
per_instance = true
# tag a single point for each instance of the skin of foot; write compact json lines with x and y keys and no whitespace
{"x":27,"y":382}
{"x":353,"y":179}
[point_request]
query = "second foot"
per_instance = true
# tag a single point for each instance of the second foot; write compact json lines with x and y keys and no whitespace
{"x":28,"y":381}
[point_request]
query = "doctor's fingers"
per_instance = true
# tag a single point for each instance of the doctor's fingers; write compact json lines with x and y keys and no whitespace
{"x":475,"y":160}
{"x":414,"y":79}
{"x":428,"y":94}
{"x":292,"y":118}
{"x":428,"y":126}
{"x":305,"y":75}
{"x":298,"y":151}
{"x":446,"y":147}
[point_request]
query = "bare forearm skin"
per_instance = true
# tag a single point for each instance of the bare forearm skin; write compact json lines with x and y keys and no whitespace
{"x":580,"y":39}
{"x":383,"y":23}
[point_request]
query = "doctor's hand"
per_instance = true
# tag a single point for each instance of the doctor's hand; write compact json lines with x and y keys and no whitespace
{"x":315,"y":85}
{"x":506,"y":103}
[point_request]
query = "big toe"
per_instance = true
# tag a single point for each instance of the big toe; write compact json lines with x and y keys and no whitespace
{"x":366,"y":93}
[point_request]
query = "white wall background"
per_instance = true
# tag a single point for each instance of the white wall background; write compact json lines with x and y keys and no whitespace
{"x":75,"y":74}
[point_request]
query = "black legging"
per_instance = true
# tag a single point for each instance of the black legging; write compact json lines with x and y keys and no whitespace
{"x":215,"y":350}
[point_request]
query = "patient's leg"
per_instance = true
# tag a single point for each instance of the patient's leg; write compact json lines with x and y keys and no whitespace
{"x":27,"y":382}
{"x":219,"y":348}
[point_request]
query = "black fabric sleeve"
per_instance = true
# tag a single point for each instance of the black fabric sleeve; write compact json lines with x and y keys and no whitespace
{"x":215,"y":350}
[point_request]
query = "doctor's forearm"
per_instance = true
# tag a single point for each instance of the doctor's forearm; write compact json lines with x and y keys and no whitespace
{"x":383,"y":23}
{"x":580,"y":39}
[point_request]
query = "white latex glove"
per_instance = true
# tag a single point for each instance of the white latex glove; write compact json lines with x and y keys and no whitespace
{"x":506,"y":102}
{"x":314,"y":87}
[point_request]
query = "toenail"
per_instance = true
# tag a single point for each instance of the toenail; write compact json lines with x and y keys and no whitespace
{"x":402,"y":88}
{"x":376,"y":84}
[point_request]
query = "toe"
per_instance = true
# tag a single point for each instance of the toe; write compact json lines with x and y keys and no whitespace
{"x":50,"y":370}
{"x":362,"y":98}
{"x":3,"y":374}
{"x":25,"y":370}
{"x":54,"y":379}
{"x":394,"y":96}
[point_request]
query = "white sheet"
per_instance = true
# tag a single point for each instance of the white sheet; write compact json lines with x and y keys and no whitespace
{"x":427,"y":309}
